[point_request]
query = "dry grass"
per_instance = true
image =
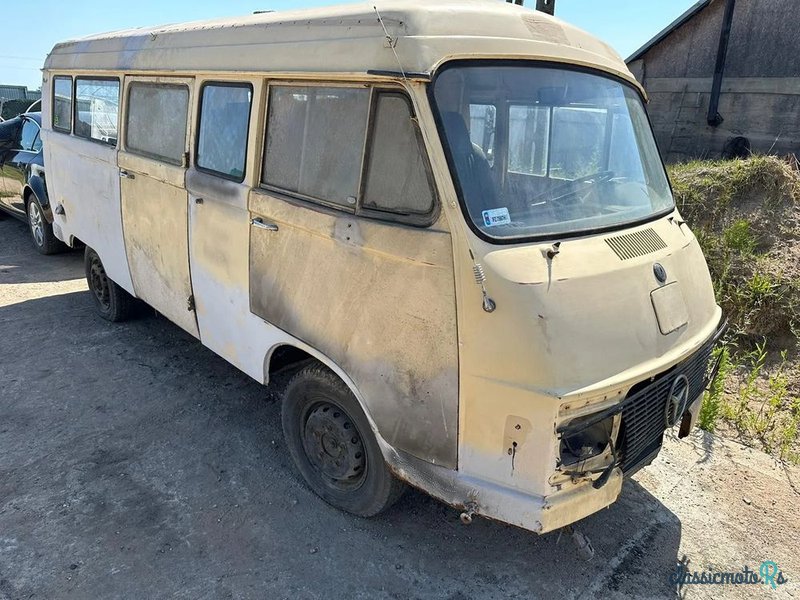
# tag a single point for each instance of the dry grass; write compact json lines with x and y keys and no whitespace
{"x":746,"y":215}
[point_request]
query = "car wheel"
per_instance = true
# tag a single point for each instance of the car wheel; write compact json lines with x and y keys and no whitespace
{"x":113,"y":303}
{"x":333,"y":446}
{"x":44,"y":239}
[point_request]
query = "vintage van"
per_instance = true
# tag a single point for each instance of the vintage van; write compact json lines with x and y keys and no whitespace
{"x":449,"y":219}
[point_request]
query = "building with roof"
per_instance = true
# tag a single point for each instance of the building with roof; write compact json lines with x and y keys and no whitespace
{"x":18,"y":92}
{"x":724,"y":80}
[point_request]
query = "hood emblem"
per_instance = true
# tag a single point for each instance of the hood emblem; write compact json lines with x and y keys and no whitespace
{"x":677,"y":401}
{"x":660,"y":272}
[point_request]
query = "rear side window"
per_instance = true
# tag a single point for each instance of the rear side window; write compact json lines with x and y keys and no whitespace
{"x":30,"y":137}
{"x":156,"y":122}
{"x":315,"y":141}
{"x":222,"y":136}
{"x":62,"y":104}
{"x":528,"y":136}
{"x":96,"y":109}
{"x":397,"y":176}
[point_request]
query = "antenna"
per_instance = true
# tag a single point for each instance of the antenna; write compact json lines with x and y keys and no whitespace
{"x":390,"y":42}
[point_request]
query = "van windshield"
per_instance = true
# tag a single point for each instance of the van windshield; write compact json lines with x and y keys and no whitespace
{"x":544,"y":151}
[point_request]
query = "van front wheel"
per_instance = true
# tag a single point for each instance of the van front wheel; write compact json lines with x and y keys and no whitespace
{"x":332,"y":444}
{"x":113,"y":303}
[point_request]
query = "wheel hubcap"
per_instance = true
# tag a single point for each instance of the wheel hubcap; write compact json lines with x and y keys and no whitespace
{"x":35,"y":222}
{"x":100,"y":285}
{"x":334,"y":446}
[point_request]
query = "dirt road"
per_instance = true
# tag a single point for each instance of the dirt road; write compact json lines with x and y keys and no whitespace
{"x":134,"y":463}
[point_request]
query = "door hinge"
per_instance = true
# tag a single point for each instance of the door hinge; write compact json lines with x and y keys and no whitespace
{"x":190,"y":303}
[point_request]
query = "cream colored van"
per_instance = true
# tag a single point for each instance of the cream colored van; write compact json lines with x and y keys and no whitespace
{"x":448,"y":220}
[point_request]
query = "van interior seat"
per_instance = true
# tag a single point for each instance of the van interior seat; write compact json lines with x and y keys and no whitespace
{"x":474,"y":171}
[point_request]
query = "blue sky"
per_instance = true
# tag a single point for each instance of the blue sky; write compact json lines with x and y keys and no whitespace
{"x":625,"y":24}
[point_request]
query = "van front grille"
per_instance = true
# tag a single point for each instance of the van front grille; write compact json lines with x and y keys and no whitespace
{"x":638,"y":243}
{"x":644,"y":418}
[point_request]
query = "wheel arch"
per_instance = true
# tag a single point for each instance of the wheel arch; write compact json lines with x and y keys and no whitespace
{"x":280,"y":356}
{"x":35,"y":187}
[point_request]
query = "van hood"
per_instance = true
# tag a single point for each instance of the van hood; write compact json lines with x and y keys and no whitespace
{"x":601,"y":307}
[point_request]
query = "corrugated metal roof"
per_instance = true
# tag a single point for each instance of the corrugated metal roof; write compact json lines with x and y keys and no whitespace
{"x":664,"y":33}
{"x":13,"y":92}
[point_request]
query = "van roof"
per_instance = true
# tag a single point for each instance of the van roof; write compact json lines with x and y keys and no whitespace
{"x":344,"y":39}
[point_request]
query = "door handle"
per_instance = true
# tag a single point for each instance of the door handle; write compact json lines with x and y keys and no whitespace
{"x":126,"y":175}
{"x":257,"y":222}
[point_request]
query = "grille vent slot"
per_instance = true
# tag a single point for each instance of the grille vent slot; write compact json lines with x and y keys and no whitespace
{"x":638,"y":243}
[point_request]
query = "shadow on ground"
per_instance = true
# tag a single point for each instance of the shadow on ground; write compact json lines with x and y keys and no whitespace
{"x":136,"y":463}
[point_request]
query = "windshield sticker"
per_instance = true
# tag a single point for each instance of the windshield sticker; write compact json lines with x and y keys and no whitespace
{"x":496,"y":216}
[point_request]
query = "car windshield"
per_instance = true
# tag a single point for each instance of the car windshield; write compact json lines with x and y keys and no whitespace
{"x":543,"y":151}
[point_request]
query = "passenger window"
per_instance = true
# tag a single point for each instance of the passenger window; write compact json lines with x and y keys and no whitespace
{"x":62,"y":104}
{"x":315,"y":141}
{"x":224,"y":121}
{"x":397,"y":176}
{"x":156,"y":121}
{"x":29,"y":137}
{"x":483,"y":121}
{"x":529,"y":132}
{"x":96,"y":109}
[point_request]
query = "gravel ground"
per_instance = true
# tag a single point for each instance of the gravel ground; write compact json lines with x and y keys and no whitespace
{"x":134,"y":463}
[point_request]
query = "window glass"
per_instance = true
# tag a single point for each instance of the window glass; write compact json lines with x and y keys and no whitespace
{"x":579,"y":136}
{"x":30,"y":135}
{"x":527,"y":139}
{"x":482,"y":127}
{"x":62,"y":103}
{"x":222,"y":138}
{"x":579,"y":154}
{"x":397,"y":179}
{"x":96,"y":109}
{"x":315,"y":141}
{"x":156,"y":123}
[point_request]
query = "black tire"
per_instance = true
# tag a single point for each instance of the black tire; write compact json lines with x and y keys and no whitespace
{"x":332,"y":444}
{"x":113,"y":303}
{"x":44,"y":240}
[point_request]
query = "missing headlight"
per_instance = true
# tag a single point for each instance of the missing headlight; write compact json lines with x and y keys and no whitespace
{"x":583,"y":443}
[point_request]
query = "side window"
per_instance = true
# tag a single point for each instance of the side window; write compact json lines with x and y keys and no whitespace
{"x":528,"y":134}
{"x":62,"y":104}
{"x":9,"y":135}
{"x":315,"y":141}
{"x":482,"y":125}
{"x":222,"y":135}
{"x":397,"y":176}
{"x":96,"y":109}
{"x":156,"y":121}
{"x":624,"y":159}
{"x":30,"y":136}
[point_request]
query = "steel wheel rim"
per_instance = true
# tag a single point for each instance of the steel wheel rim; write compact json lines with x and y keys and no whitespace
{"x":100,"y":284}
{"x":35,"y":222}
{"x":333,"y":446}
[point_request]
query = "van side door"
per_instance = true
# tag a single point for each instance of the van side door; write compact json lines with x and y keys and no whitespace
{"x":152,"y":167}
{"x":349,"y":252}
{"x":218,"y":183}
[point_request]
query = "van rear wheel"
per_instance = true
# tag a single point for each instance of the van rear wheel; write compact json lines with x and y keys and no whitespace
{"x":112,"y":302}
{"x":332,"y":444}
